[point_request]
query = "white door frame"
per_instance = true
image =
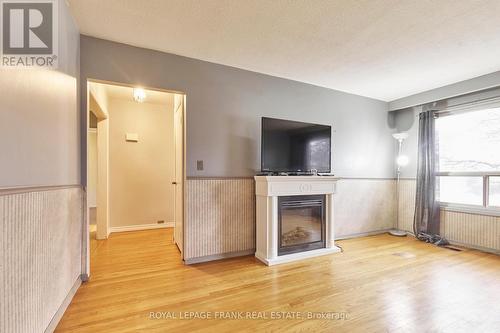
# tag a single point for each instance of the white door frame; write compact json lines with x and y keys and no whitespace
{"x":180,"y":106}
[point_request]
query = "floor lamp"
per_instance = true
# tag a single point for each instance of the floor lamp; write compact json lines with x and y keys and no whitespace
{"x":401,"y":161}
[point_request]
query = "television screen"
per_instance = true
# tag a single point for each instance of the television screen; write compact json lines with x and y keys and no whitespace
{"x":292,"y":146}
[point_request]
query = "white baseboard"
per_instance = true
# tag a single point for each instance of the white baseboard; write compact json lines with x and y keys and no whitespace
{"x":467,"y":246}
{"x":475,"y":247}
{"x":213,"y":257}
{"x":138,"y":227}
{"x":60,"y":312}
{"x":363,"y":234}
{"x":298,"y":256}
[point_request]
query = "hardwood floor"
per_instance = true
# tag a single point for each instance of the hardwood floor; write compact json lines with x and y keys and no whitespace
{"x":378,"y":284}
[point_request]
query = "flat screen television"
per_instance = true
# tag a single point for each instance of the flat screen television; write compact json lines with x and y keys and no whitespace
{"x":295,"y":147}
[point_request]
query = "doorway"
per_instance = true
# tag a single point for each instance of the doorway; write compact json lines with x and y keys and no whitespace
{"x":135,"y":161}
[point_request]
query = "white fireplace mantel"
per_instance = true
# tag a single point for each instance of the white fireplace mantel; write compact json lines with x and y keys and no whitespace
{"x":267,"y":191}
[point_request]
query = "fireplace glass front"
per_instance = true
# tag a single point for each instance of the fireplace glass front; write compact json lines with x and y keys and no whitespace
{"x":301,"y":223}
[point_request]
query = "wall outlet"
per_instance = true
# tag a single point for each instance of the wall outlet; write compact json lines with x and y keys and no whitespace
{"x":199,"y":165}
{"x":160,"y":222}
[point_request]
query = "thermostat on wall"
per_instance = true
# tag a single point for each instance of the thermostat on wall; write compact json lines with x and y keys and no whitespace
{"x":131,"y":137}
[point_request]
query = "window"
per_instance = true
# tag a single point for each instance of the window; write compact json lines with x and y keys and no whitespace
{"x":461,"y":190}
{"x":494,"y":190}
{"x":469,"y":158}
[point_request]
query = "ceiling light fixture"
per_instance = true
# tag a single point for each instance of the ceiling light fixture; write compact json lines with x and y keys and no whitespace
{"x":139,"y":95}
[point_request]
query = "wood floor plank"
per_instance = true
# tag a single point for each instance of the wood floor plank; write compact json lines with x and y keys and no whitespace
{"x":377,"y":284}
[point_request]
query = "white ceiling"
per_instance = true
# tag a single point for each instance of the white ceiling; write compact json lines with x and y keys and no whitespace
{"x":385,"y":49}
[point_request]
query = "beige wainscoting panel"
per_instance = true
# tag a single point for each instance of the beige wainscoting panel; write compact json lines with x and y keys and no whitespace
{"x":364,"y":206}
{"x":472,"y":230}
{"x":407,"y":192}
{"x":40,"y":255}
{"x":220,"y":217}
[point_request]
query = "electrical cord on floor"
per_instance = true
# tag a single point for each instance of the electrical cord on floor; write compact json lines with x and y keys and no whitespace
{"x":428,"y":238}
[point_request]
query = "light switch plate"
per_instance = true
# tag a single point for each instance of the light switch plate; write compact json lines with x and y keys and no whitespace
{"x":199,"y":165}
{"x":132,"y":137}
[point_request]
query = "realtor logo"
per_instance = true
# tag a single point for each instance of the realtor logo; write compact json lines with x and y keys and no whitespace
{"x":29,"y":33}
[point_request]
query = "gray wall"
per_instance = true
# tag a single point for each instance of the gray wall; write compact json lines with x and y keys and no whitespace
{"x":40,"y":226}
{"x":39,"y":118}
{"x":224,"y":106}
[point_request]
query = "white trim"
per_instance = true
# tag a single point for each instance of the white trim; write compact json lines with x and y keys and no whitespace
{"x":213,"y":257}
{"x":467,"y":246}
{"x":364,"y":234}
{"x":485,"y":208}
{"x":297,"y":256}
{"x":475,"y":247}
{"x":29,"y":189}
{"x":64,"y":305}
{"x":470,"y":209}
{"x":469,"y":174}
{"x":138,"y":227}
